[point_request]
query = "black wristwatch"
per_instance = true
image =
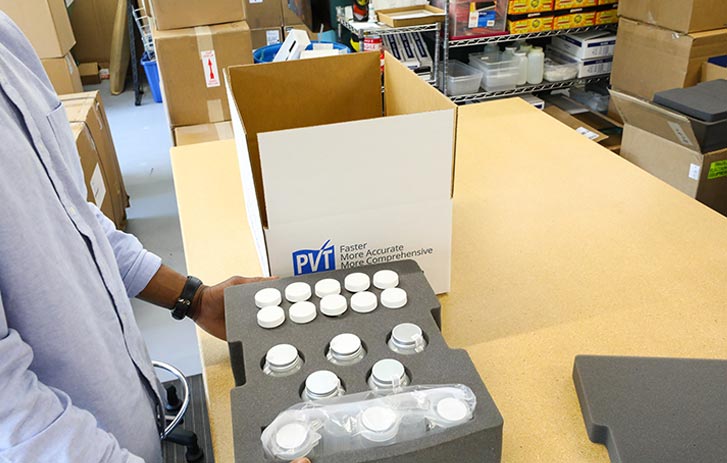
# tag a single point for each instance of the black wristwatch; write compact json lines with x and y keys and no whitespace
{"x":181,"y":308}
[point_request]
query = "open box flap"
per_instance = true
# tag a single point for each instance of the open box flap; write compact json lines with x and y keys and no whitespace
{"x":647,"y":116}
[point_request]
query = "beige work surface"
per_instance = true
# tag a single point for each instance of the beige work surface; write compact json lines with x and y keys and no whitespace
{"x":560,"y":248}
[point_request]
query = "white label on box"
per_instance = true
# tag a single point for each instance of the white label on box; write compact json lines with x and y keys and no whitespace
{"x":98,"y":189}
{"x":587,"y":133}
{"x":272,"y":37}
{"x":681,"y":135}
{"x":694,"y":171}
{"x":209,"y":67}
{"x":473,"y":19}
{"x":256,"y":1}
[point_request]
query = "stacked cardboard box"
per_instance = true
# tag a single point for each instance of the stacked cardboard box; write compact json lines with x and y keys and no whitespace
{"x":98,"y":156}
{"x":47,"y":26}
{"x":526,"y":16}
{"x":664,"y":45}
{"x":194,"y":42}
{"x":591,"y":51}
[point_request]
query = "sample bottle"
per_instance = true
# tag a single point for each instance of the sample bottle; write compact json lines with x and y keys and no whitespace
{"x":282,"y":360}
{"x":407,"y":339}
{"x":536,"y":65}
{"x":522,"y":67}
{"x":346,"y":349}
{"x":388,"y":374}
{"x":322,"y":384}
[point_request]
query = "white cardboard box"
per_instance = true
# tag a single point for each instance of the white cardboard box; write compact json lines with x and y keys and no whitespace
{"x":594,"y":44}
{"x":586,"y":67}
{"x":331,"y":180}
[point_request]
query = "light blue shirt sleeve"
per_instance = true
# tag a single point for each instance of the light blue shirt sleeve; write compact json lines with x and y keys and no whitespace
{"x":39,"y":423}
{"x":136,"y":265}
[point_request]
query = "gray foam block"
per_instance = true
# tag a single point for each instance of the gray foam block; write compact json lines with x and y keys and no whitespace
{"x":706,"y":106}
{"x":259,"y":398}
{"x":655,"y":410}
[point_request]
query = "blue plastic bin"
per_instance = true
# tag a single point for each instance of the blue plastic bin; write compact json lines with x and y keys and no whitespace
{"x":267,"y":53}
{"x":152,"y":76}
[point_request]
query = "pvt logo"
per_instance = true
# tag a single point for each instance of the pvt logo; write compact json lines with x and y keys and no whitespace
{"x":314,"y":260}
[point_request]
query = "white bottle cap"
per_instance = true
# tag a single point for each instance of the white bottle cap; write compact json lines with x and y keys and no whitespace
{"x":357,"y":282}
{"x":267,"y":297}
{"x":291,"y":438}
{"x":453,"y":410}
{"x":384,"y":279}
{"x":364,"y":302}
{"x":270,"y":317}
{"x":322,"y":383}
{"x":388,"y":373}
{"x":346,"y":345}
{"x":379,"y":424}
{"x":393,"y":298}
{"x":334,"y":305}
{"x":406,"y":334}
{"x":302,"y":312}
{"x":327,"y":287}
{"x":298,"y":291}
{"x":282,"y":355}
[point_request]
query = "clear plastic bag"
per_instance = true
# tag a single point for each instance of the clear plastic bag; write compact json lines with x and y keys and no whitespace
{"x":366,"y":420}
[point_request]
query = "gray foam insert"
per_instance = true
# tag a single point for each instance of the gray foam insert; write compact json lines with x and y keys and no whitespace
{"x":259,"y":398}
{"x":706,"y":101}
{"x":655,"y":410}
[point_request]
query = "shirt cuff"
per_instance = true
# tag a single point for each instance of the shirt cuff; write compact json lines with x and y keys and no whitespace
{"x":144,"y":268}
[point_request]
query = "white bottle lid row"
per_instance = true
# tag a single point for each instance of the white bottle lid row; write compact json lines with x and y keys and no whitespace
{"x":384,"y":279}
{"x":364,"y":302}
{"x":302,"y":312}
{"x":267,"y":297}
{"x":357,"y":282}
{"x":393,"y":298}
{"x":270,"y":317}
{"x":298,"y":292}
{"x":327,"y":287}
{"x":334,"y":305}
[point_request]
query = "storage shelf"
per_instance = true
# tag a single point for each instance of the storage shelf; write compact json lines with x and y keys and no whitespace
{"x":387,"y":30}
{"x":483,"y":96}
{"x":456,"y":43}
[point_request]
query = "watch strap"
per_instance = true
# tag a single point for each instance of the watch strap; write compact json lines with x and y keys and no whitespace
{"x":184,"y":302}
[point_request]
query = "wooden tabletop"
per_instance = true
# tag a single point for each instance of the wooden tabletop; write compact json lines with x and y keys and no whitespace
{"x":560,"y":248}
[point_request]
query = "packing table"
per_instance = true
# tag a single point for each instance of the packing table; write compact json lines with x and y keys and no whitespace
{"x":560,"y":248}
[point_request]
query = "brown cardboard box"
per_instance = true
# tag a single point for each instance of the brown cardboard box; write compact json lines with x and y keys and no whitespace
{"x":678,"y":15}
{"x":701,"y":176}
{"x":260,"y":14}
{"x":89,"y":73}
{"x":194,"y":89}
{"x":289,"y":17}
{"x":87,"y":108}
{"x":650,"y":59}
{"x":263,"y":37}
{"x":97,"y":185}
{"x":93,"y":23}
{"x":203,"y":133}
{"x":179,"y":14}
{"x":44,"y":22}
{"x":713,"y":72}
{"x":63,"y":74}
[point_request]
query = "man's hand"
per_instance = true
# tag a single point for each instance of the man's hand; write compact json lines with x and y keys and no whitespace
{"x":208,"y":308}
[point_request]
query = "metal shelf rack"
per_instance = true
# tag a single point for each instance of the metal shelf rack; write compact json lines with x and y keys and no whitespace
{"x":545,"y":86}
{"x":382,"y":29}
{"x":467,"y":42}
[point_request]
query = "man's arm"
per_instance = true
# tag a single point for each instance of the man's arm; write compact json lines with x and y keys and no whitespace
{"x":39,"y":423}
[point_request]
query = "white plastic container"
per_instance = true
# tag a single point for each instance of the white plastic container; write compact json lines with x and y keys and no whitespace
{"x":407,"y":339}
{"x":346,"y":349}
{"x":322,"y":384}
{"x":521,"y":58}
{"x":536,"y":64}
{"x":388,"y":374}
{"x":461,"y":78}
{"x":497,"y":75}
